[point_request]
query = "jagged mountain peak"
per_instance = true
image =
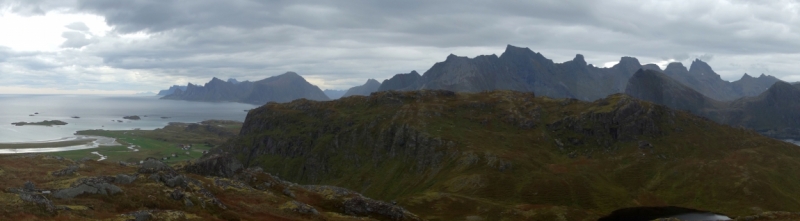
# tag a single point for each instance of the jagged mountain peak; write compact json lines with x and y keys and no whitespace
{"x":629,"y":63}
{"x":372,"y":81}
{"x":747,"y":76}
{"x":700,"y":67}
{"x":781,"y":87}
{"x":629,"y":60}
{"x":515,"y":51}
{"x":654,"y":67}
{"x":579,"y":59}
{"x":290,"y":74}
{"x":676,"y":66}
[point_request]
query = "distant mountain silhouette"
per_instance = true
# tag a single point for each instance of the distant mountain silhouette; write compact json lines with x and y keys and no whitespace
{"x":282,"y":88}
{"x":171,"y":90}
{"x":702,"y":78}
{"x":233,"y":81}
{"x":363,"y":90}
{"x":521,"y":69}
{"x":749,"y":86}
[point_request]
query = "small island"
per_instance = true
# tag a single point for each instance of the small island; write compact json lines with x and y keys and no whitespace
{"x":134,"y":117}
{"x":48,"y":123}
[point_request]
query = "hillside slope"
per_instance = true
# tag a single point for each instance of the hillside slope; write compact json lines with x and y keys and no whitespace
{"x":510,"y":155}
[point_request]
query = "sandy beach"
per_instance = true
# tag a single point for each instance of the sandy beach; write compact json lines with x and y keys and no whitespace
{"x":66,"y":144}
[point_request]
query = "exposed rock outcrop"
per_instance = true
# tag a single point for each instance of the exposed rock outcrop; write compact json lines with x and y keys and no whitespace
{"x":215,"y":165}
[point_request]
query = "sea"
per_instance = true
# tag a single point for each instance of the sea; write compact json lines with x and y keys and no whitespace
{"x":102,"y":112}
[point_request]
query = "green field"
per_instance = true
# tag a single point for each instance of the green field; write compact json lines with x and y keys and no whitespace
{"x":159,"y":143}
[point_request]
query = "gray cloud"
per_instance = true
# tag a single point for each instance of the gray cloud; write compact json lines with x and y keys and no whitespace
{"x":78,"y":26}
{"x":76,"y":40}
{"x":344,"y":42}
{"x":706,"y":57}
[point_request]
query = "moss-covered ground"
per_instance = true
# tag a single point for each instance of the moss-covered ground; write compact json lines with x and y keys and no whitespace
{"x":513,"y":156}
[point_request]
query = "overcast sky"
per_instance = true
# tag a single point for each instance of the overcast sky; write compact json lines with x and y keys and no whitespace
{"x":111,"y":46}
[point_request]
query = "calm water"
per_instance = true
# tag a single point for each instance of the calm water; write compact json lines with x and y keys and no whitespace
{"x":102,"y":112}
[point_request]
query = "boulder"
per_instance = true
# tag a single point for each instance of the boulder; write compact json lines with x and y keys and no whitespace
{"x":124,"y":179}
{"x":152,"y":166}
{"x":216,"y":165}
{"x":88,"y":186}
{"x":68,"y":171}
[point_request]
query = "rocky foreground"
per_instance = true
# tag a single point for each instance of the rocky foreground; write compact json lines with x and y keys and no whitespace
{"x":217,"y":188}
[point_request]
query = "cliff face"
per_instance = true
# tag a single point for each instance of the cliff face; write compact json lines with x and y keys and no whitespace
{"x":282,"y":88}
{"x":504,"y":151}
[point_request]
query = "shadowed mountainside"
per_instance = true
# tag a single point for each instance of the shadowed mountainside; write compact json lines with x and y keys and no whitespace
{"x":510,"y":155}
{"x":775,"y":112}
{"x":400,"y":81}
{"x":659,"y":88}
{"x":363,"y":90}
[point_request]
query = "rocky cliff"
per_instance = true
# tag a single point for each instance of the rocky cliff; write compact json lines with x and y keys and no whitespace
{"x":517,"y":156}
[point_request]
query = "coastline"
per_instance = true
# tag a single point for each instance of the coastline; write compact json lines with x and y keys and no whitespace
{"x":71,"y":143}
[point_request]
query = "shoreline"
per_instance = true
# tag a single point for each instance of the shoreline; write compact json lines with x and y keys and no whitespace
{"x":46,"y":144}
{"x":66,"y":144}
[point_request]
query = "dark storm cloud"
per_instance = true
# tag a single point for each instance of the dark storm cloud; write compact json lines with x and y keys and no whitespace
{"x":345,"y":42}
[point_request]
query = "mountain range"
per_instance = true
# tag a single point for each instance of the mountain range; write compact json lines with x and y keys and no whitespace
{"x":521,"y":69}
{"x":282,"y":88}
{"x":775,"y":112}
{"x":698,"y":89}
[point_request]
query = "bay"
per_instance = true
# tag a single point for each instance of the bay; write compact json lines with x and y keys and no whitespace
{"x":102,"y":112}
